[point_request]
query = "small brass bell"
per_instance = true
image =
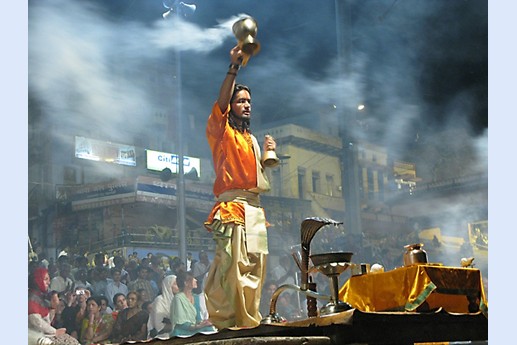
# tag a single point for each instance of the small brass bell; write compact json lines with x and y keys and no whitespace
{"x":245,"y":31}
{"x":271,"y":160}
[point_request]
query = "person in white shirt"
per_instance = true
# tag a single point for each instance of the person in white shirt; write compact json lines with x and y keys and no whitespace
{"x":62,"y":283}
{"x":189,"y":261}
{"x":80,"y":280}
{"x":119,"y":262}
{"x":115,"y":286}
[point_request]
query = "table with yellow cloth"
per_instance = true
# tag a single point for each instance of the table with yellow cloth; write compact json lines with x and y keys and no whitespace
{"x":420,"y":287}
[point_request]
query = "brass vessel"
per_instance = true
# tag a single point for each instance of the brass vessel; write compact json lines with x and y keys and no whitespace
{"x":414,"y":254}
{"x":245,"y":31}
{"x":271,"y":160}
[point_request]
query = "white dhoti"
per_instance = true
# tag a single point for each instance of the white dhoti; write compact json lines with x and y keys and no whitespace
{"x":234,"y":284}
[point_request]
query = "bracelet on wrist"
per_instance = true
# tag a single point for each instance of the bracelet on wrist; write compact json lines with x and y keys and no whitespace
{"x":232,"y":73}
{"x":235,"y":66}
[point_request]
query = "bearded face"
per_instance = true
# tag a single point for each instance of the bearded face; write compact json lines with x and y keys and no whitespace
{"x":241,"y":105}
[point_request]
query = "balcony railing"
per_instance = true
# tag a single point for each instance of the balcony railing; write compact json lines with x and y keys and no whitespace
{"x":196,"y":241}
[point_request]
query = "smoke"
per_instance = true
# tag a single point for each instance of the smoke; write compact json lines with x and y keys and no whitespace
{"x":98,"y":77}
{"x":109,"y":70}
{"x":96,"y":68}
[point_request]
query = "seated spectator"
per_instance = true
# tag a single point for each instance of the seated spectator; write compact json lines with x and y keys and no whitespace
{"x":120,"y":302}
{"x":120,"y":263}
{"x":42,"y":311}
{"x":105,"y":308}
{"x":131,"y":323}
{"x":96,"y":327}
{"x":186,"y":311}
{"x":165,"y":265}
{"x":143,"y":297}
{"x":80,"y":263}
{"x":200,"y":270}
{"x":62,"y":283}
{"x":188,"y":266}
{"x":156,"y":272}
{"x":53,"y":270}
{"x":43,"y":260}
{"x":147,"y":306}
{"x":132,"y":269}
{"x":81,"y":279}
{"x":142,"y":282}
{"x":176,"y":266}
{"x":33,"y":265}
{"x":101,"y":281}
{"x":115,"y":286}
{"x":159,"y":319}
{"x":75,"y":311}
{"x":60,"y":305}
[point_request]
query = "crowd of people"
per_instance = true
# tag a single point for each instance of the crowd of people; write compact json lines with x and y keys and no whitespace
{"x":110,"y":300}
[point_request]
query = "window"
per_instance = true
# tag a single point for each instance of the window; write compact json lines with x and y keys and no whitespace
{"x":316,"y":182}
{"x":330,"y":185}
{"x":301,"y":183}
{"x":371,"y":187}
{"x":380,"y":182}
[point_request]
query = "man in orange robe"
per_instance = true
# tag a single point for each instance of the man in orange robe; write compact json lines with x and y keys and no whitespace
{"x":237,"y":221}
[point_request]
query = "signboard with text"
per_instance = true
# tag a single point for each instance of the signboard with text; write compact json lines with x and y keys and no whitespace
{"x":158,"y":161}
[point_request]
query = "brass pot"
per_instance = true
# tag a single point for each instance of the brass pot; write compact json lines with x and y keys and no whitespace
{"x":270,"y":159}
{"x":245,"y":31}
{"x":414,"y":254}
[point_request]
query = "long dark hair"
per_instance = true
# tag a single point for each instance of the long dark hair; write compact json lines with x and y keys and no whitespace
{"x":245,"y":126}
{"x":237,"y":88}
{"x":96,"y":299}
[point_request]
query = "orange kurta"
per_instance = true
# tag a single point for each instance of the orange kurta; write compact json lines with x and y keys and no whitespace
{"x":234,"y":164}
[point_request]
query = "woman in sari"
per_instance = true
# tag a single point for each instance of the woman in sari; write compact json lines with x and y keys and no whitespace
{"x":131,"y":323}
{"x":186,"y":310}
{"x":96,"y":327}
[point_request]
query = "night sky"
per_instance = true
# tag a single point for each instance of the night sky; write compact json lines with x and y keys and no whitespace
{"x":419,"y":66}
{"x":442,"y":45}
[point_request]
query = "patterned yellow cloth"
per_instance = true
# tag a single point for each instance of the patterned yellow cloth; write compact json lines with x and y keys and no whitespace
{"x":407,"y":288}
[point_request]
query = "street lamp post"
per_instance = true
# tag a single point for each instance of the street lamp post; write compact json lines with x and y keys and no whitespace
{"x":349,"y":160}
{"x":180,"y":9}
{"x":181,"y":209}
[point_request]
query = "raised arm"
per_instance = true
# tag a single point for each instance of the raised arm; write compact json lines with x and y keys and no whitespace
{"x":225,"y":92}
